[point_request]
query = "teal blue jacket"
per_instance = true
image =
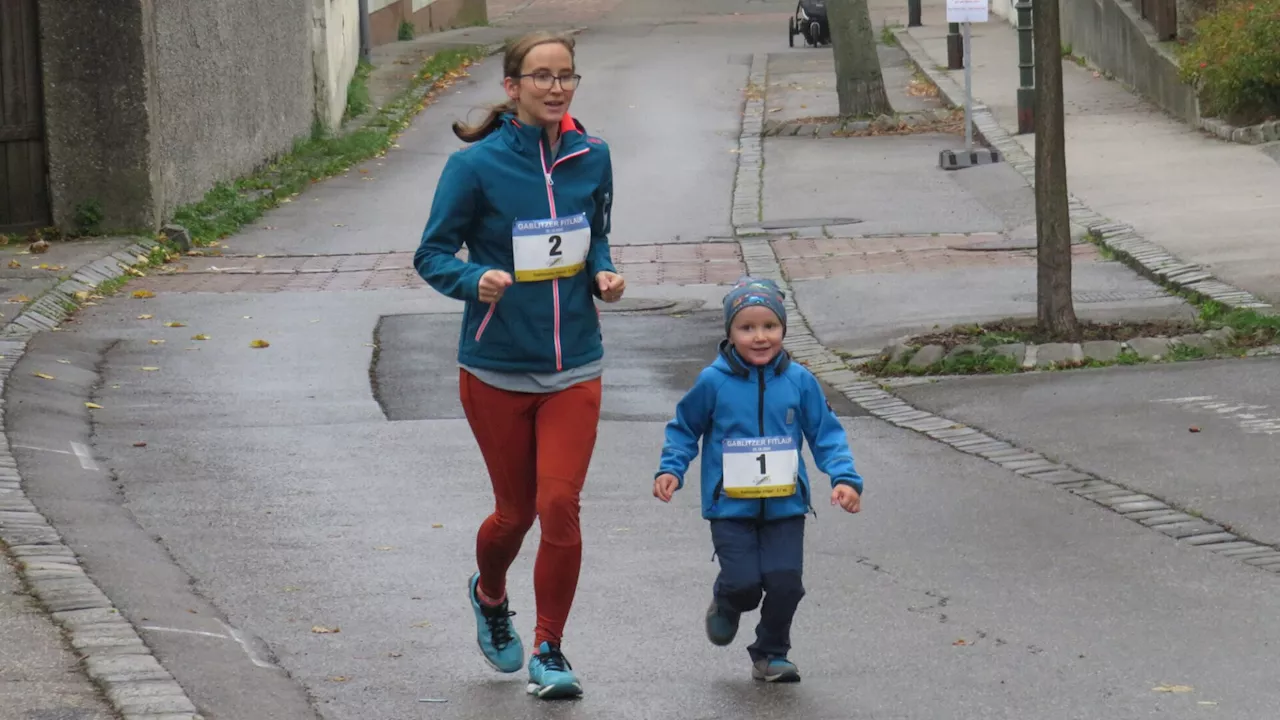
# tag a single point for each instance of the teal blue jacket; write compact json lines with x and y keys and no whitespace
{"x":733,"y":400}
{"x":484,"y":190}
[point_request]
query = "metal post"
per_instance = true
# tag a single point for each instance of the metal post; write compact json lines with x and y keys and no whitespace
{"x":913,"y":13}
{"x":955,"y":47}
{"x":364,"y":30}
{"x":968,"y":93}
{"x":1026,"y":69}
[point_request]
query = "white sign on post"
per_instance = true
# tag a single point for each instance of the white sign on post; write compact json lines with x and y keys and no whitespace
{"x":968,"y":11}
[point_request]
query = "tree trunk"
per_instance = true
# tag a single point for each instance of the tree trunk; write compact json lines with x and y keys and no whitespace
{"x":1055,"y":311}
{"x":859,"y":81}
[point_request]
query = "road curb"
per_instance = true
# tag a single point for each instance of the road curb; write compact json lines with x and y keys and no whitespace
{"x":112,"y":653}
{"x":865,"y":392}
{"x":1147,"y":258}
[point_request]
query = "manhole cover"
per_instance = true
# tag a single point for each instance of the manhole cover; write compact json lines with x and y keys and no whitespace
{"x":636,"y":305}
{"x":807,"y":223}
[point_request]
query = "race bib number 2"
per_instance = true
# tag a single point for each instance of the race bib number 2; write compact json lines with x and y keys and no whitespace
{"x":551,"y":248}
{"x":760,"y":467}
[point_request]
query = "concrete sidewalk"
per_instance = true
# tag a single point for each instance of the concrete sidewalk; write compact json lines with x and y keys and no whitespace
{"x":1208,"y":202}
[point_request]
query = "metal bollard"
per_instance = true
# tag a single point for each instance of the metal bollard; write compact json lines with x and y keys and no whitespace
{"x":1026,"y":69}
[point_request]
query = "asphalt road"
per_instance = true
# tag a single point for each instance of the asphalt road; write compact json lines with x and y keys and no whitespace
{"x":236,"y":500}
{"x":1134,"y":425}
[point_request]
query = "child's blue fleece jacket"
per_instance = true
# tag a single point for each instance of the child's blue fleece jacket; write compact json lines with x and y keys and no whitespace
{"x":734,"y":400}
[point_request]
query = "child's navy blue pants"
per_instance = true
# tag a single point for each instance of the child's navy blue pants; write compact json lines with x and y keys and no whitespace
{"x":761,"y":559}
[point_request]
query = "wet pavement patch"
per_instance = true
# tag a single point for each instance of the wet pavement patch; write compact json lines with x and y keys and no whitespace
{"x":651,"y":360}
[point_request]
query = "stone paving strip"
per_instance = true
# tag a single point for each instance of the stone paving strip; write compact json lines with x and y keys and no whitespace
{"x":864,"y":391}
{"x":1122,"y":239}
{"x":813,"y":258}
{"x":113,"y":655}
{"x":716,"y":263}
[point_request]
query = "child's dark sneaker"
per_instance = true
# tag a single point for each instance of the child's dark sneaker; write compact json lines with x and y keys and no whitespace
{"x":775,"y":669}
{"x":551,"y":676}
{"x":722,"y":625}
{"x":495,"y":634}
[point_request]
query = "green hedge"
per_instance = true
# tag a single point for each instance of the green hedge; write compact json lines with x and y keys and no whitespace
{"x":1234,"y":61}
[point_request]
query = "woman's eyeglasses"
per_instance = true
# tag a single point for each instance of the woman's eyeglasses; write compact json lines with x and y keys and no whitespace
{"x":545,"y":80}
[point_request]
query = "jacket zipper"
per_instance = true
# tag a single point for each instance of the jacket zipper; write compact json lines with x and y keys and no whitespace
{"x":760,"y":421}
{"x":551,"y":201}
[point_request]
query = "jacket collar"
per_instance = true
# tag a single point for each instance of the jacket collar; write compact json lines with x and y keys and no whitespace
{"x":525,"y":139}
{"x":729,"y":361}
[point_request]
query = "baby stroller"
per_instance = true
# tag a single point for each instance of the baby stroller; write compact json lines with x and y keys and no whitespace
{"x":810,"y":21}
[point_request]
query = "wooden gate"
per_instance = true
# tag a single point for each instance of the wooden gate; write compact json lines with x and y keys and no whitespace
{"x":24,"y":193}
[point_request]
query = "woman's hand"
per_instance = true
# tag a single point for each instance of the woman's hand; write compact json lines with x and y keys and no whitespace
{"x":492,"y":284}
{"x":611,"y":285}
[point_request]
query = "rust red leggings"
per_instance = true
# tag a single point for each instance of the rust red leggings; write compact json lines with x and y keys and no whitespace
{"x":537,"y":448}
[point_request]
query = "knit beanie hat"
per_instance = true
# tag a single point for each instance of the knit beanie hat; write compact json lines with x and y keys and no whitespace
{"x":753,"y":291}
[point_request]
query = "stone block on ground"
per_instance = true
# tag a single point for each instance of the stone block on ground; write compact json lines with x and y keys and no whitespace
{"x":926,"y":356}
{"x":896,"y":353}
{"x":1221,"y":336}
{"x":1150,"y":348}
{"x":1197,"y":341}
{"x":1058,"y":354}
{"x":967,"y":349}
{"x":1015,"y":351}
{"x":1102,"y":350}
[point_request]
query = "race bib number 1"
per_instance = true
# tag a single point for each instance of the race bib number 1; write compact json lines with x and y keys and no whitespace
{"x":760,"y":467}
{"x":551,"y":248}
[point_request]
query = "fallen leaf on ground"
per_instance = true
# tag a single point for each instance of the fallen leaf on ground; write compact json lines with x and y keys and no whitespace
{"x":145,"y":317}
{"x":1172,"y":688}
{"x":93,"y":406}
{"x":291,"y":588}
{"x":259,"y":344}
{"x":961,"y":641}
{"x":14,"y":264}
{"x":1193,"y":429}
{"x":384,"y":548}
{"x":422,"y":624}
{"x":175,"y":324}
{"x":139,"y":444}
{"x":201,"y":336}
{"x":142,"y":294}
{"x":150,"y":368}
{"x":64,"y":362}
{"x":437,"y":525}
{"x":43,"y":375}
{"x":339,"y":678}
{"x":19,"y":299}
{"x":322,"y":630}
{"x":80,"y":295}
{"x":395,"y":654}
{"x":1207,"y":702}
{"x":156,"y":342}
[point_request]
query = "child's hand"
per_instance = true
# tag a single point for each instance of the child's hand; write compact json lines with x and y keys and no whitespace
{"x":664,"y":486}
{"x":846,"y":497}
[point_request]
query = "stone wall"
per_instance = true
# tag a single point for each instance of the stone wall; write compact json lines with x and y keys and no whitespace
{"x":233,"y":84}
{"x":337,"y":53}
{"x":426,"y":16}
{"x":149,"y":104}
{"x":94,"y":67}
{"x":1111,"y":36}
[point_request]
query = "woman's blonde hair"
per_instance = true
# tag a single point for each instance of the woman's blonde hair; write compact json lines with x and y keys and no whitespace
{"x":512,"y":63}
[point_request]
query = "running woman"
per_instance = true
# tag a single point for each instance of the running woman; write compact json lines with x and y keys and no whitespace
{"x":530,"y":199}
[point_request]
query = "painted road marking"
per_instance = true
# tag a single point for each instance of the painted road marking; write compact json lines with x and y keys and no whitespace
{"x":1248,"y":417}
{"x":232,"y":634}
{"x":82,"y":453}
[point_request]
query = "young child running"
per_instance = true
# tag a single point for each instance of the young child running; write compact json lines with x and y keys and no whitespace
{"x":751,"y":407}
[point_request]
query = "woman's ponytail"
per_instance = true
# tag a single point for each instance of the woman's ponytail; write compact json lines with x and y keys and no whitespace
{"x":492,"y":121}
